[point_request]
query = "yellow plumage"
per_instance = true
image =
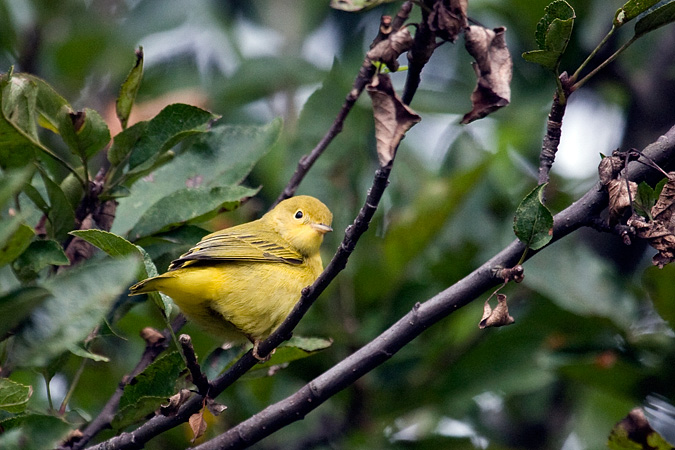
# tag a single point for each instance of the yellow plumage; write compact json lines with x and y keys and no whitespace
{"x":242,"y":282}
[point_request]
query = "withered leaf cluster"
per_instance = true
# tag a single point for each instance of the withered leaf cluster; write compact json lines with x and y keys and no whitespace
{"x":448,"y":18}
{"x":392,"y":118}
{"x":659,"y":228}
{"x":388,"y":50}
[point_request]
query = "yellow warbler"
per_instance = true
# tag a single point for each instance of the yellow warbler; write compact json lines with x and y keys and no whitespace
{"x":243,"y":281}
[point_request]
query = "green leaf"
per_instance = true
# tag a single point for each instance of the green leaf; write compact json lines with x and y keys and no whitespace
{"x":80,"y":299}
{"x":33,"y":431}
{"x":659,"y":285}
{"x":117,"y":246}
{"x":149,"y":389}
{"x":40,"y":253}
{"x":12,"y":182}
{"x":61,"y":215}
{"x":657,"y":18}
{"x":297,"y":347}
{"x":14,"y":396}
{"x":173,"y":124}
{"x":223,"y":156}
{"x":82,"y":353}
{"x":188,"y":206}
{"x":129,"y":89}
{"x":85,"y":132}
{"x":125,"y":141}
{"x":533,"y":222}
{"x":17,"y":242}
{"x":631,"y":10}
{"x":17,"y":306}
{"x":552,"y":35}
{"x":18,"y":130}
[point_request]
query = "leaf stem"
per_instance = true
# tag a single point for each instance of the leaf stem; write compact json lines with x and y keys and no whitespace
{"x":592,"y":54}
{"x":73,"y":385}
{"x":604,"y":64}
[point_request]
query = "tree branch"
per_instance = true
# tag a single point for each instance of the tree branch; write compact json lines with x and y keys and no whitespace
{"x":424,"y":315}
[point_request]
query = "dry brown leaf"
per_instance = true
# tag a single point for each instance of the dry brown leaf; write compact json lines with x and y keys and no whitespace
{"x":609,"y":168}
{"x":197,"y":425}
{"x":448,"y":18}
{"x":497,"y":317}
{"x":493,"y":67}
{"x":388,"y":50}
{"x":664,"y":208}
{"x":151,"y":336}
{"x":214,"y":407}
{"x":392,"y":118}
{"x":619,"y":199}
{"x":175,"y":401}
{"x":660,"y":236}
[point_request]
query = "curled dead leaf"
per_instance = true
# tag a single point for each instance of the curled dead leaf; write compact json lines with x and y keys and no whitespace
{"x":214,"y":407}
{"x":664,"y":209}
{"x":175,"y":401}
{"x":620,"y":197}
{"x":609,"y":168}
{"x":661,"y":236}
{"x":388,"y":50}
{"x":497,"y":317}
{"x":197,"y":425}
{"x":493,"y":67}
{"x":392,"y":118}
{"x":448,"y":18}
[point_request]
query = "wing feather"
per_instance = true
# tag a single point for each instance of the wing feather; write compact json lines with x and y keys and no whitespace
{"x":233,"y":245}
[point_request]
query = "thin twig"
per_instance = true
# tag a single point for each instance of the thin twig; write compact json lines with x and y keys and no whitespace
{"x":198,"y":377}
{"x":549,"y":146}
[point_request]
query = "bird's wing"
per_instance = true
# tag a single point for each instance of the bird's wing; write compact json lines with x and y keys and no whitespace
{"x":234,"y":245}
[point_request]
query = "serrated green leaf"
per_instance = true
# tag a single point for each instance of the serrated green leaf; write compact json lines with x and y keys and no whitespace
{"x":533,"y":222}
{"x":657,"y":18}
{"x":79,"y":301}
{"x":149,"y":389}
{"x":223,"y":156}
{"x":40,"y":253}
{"x":110,"y":243}
{"x":14,"y":396}
{"x":173,"y":124}
{"x":17,"y":306}
{"x":631,"y":9}
{"x":552,"y":35}
{"x":189,"y":205}
{"x":17,"y":242}
{"x":129,"y":89}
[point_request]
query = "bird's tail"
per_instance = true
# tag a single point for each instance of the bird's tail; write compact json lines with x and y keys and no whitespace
{"x":142,"y":287}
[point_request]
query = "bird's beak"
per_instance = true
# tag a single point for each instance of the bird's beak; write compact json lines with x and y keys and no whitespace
{"x":321,"y":228}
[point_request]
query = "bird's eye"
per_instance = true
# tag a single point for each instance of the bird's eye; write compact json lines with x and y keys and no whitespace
{"x":299,"y":214}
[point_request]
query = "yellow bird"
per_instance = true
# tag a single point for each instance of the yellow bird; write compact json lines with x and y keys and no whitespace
{"x":242,"y":282}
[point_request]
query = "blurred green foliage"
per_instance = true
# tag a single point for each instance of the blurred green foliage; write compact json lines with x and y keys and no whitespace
{"x":593,"y":333}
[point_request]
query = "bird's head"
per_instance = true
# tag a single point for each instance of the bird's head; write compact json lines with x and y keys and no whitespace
{"x":301,"y":221}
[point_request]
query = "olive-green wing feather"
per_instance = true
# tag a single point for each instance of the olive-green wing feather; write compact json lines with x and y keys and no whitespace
{"x":235,"y":245}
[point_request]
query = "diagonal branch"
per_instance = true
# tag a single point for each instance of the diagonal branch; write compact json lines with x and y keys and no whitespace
{"x":424,"y":315}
